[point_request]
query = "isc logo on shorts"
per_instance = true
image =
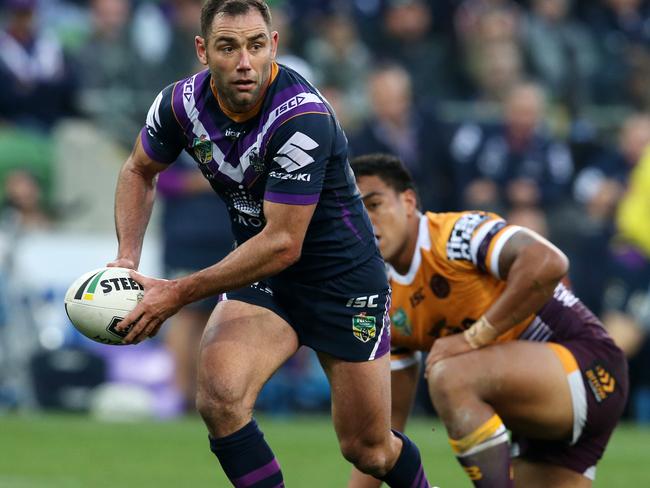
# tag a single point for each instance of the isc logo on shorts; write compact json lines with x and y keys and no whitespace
{"x":363,"y":302}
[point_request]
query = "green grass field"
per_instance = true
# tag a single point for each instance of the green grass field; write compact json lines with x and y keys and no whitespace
{"x":57,"y":451}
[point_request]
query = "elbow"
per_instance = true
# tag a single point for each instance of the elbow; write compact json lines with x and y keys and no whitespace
{"x":555,"y":265}
{"x":288,"y":252}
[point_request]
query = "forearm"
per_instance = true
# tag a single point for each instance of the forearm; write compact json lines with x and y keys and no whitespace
{"x":531,"y":281}
{"x":134,"y":198}
{"x":260,"y":257}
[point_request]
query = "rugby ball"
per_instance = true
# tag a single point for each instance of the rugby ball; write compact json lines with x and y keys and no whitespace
{"x":99,"y":299}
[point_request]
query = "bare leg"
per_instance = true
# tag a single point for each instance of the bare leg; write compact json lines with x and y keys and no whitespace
{"x":361,"y":414}
{"x":403,"y":386}
{"x":243,"y":345}
{"x":522,"y":383}
{"x":182,"y":339}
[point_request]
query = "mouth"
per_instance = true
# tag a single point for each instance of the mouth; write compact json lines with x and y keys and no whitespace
{"x":244,"y":85}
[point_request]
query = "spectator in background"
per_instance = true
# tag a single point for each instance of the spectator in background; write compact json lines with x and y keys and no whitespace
{"x":412,"y":132}
{"x":408,"y":40}
{"x":598,"y":189}
{"x":23,"y":206}
{"x":561,"y":53}
{"x":285,"y":54}
{"x":341,"y":62}
{"x":179,"y":58}
{"x":627,"y":298}
{"x":491,"y":51}
{"x":109,"y":68}
{"x":600,"y":185}
{"x":37,"y":85}
{"x":189,"y":203}
{"x":515,"y":163}
{"x":621,"y":29}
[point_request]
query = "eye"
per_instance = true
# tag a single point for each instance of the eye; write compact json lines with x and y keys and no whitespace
{"x":256,"y":47}
{"x":372,"y":205}
{"x":226,"y":49}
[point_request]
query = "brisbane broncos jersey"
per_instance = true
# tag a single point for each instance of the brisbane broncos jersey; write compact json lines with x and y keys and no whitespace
{"x":454,"y":279}
{"x":288,"y":149}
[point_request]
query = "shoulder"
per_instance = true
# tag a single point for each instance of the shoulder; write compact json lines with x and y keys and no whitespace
{"x":457,"y":236}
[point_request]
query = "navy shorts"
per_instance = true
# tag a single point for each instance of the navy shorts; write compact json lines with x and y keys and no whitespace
{"x":345,"y":316}
{"x":599,"y":386}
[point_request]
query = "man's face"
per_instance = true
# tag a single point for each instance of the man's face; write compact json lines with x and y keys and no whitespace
{"x":389,"y":212}
{"x":239,"y":51}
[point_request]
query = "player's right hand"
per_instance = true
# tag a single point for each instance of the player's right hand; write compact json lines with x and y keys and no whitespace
{"x":122,"y":263}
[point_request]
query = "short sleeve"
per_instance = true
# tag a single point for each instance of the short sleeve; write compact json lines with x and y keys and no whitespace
{"x":162,"y":137}
{"x":479,"y":238}
{"x":299,"y":152}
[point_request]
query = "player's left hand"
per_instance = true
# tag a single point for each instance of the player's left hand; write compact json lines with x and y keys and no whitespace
{"x":445,"y":347}
{"x":161,"y":301}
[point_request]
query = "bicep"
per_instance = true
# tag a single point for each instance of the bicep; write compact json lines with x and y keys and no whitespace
{"x":141,"y":164}
{"x":525,"y":239}
{"x":289,"y":220}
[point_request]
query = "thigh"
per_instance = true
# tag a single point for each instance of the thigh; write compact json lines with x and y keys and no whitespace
{"x":361,"y":398}
{"x":242,"y":346}
{"x":541,"y":475}
{"x":525,"y":382}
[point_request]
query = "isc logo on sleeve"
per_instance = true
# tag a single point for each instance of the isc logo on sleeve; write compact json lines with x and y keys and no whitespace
{"x":293,"y":155}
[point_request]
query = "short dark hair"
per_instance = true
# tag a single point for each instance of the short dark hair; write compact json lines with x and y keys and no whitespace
{"x":387,"y":168}
{"x":212,"y":8}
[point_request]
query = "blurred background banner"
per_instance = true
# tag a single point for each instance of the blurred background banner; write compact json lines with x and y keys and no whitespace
{"x":538,"y":109}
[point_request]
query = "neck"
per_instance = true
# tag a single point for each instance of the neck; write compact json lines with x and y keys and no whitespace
{"x":404,"y":258}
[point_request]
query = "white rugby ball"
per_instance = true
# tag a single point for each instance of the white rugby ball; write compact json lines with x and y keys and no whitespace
{"x":99,"y":299}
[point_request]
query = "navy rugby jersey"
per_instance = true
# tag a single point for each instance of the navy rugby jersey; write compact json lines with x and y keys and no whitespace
{"x":289,"y":150}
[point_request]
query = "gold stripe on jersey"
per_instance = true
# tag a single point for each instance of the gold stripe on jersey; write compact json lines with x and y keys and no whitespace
{"x":450,"y":282}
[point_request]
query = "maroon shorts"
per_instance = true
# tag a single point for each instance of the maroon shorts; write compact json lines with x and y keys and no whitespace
{"x":599,"y":387}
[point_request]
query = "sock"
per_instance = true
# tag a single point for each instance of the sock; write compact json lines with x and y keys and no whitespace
{"x":408,"y":471}
{"x":247,"y":459}
{"x":485,"y":455}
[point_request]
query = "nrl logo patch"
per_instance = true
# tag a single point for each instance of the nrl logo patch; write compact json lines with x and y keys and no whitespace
{"x":363,"y":327}
{"x":202,"y":149}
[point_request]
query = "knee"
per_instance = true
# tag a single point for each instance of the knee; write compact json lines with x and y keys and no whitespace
{"x":447,"y":384}
{"x":370,"y":456}
{"x":221,"y":403}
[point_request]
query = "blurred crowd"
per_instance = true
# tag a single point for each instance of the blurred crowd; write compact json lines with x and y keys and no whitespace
{"x":538,"y":110}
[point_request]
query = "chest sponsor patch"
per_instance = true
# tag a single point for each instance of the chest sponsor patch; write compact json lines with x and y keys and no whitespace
{"x":458,"y":244}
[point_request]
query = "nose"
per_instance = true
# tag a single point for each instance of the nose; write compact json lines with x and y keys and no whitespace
{"x":244,"y":61}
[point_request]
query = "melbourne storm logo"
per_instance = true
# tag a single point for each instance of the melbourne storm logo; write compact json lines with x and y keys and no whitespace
{"x":202,"y":147}
{"x":256,"y":161}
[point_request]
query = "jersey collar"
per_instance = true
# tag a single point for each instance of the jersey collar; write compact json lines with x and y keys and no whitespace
{"x":240,"y":117}
{"x":423,"y":244}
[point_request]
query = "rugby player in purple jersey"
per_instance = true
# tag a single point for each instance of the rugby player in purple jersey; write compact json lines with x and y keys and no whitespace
{"x":306,"y":269}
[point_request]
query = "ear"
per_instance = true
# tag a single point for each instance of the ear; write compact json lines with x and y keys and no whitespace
{"x":201,"y":50}
{"x":274,"y":43}
{"x":410,"y":201}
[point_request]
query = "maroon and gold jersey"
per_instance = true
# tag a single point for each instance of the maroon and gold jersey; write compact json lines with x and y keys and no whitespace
{"x":454,"y":279}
